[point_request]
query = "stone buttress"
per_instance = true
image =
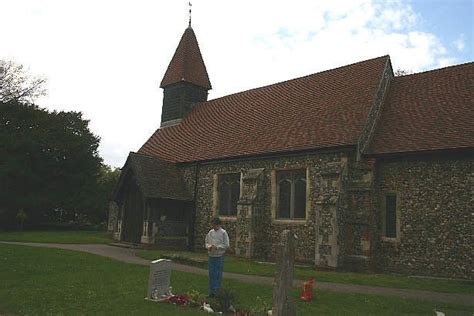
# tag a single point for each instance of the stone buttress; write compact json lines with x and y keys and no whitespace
{"x":249,"y":209}
{"x":330,"y":208}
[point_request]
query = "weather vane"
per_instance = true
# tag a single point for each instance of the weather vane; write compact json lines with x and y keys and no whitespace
{"x":190,"y":6}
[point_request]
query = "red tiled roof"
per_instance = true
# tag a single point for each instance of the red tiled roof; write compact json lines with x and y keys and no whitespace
{"x":433,"y":110}
{"x":325,"y":109}
{"x":187,"y":64}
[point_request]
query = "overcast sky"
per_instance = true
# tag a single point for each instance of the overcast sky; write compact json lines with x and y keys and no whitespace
{"x":107,"y":58}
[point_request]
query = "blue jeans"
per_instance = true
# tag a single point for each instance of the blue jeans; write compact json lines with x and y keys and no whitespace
{"x":216,"y":266}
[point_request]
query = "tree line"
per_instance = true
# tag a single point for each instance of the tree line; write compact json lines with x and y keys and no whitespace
{"x":50,"y":168}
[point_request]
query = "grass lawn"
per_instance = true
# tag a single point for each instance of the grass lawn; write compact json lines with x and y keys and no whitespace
{"x":244,"y":266}
{"x":60,"y":237}
{"x":40,"y":281}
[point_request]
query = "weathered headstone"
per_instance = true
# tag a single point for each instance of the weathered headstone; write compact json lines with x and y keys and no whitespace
{"x":283,"y":304}
{"x":159,"y":279}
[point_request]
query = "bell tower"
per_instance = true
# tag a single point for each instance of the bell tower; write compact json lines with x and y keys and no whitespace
{"x":185,"y":82}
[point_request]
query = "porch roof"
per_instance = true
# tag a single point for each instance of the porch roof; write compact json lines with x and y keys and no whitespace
{"x":156,"y":178}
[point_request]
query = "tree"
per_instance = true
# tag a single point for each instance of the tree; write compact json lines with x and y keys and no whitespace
{"x":402,"y":72}
{"x":95,"y":198}
{"x":49,"y":161}
{"x":17,"y":84}
{"x":107,"y":181}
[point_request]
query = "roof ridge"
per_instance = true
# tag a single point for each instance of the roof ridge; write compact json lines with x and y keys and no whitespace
{"x":184,"y":71}
{"x":142,"y":154}
{"x":437,"y":69}
{"x":151,"y":156}
{"x":294,"y":79}
{"x":198,"y":104}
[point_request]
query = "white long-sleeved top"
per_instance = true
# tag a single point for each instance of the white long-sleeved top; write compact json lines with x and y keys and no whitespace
{"x":218,"y":238}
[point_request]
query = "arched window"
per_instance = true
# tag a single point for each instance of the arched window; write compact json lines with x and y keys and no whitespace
{"x":291,"y":192}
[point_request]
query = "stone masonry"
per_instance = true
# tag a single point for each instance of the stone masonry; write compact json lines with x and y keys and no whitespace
{"x":330,"y":206}
{"x":343,"y":228}
{"x":256,"y":233}
{"x":249,"y":213}
{"x":436,"y":216}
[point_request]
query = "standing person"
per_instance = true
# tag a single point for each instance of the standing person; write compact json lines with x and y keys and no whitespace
{"x":217,"y":242}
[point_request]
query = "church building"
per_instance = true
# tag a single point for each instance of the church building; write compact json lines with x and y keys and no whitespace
{"x":371,"y":171}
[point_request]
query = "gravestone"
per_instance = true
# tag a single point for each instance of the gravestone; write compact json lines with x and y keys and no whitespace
{"x":283,"y":304}
{"x":159,"y":279}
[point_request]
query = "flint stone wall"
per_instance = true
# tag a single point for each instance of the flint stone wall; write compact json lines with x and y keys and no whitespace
{"x":437,"y":216}
{"x":436,"y":203}
{"x":269,"y":229}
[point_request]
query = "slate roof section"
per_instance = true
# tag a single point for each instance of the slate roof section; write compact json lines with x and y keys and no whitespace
{"x":187,"y":64}
{"x":157,"y":178}
{"x":326,"y":109}
{"x":428,"y":111}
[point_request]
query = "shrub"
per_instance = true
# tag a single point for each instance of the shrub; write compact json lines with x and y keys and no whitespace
{"x":195,"y":298}
{"x":224,"y":300}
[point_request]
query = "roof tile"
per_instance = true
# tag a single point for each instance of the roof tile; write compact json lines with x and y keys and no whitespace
{"x":325,"y":109}
{"x":427,"y":111}
{"x":187,"y":64}
{"x":157,"y":178}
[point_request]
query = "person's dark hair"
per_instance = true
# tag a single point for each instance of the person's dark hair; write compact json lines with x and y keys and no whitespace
{"x":216,"y":221}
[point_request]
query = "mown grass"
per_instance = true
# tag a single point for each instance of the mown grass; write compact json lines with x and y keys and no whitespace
{"x":40,"y":281}
{"x":251,"y":267}
{"x":60,"y":237}
{"x":244,"y":266}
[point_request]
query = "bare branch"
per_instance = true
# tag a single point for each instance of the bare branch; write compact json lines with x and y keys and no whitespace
{"x":402,"y":72}
{"x":17,"y":84}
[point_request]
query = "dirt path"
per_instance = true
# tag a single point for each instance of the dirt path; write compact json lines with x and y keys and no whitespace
{"x":128,"y":255}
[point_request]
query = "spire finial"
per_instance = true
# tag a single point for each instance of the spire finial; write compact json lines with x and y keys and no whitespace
{"x":190,"y":6}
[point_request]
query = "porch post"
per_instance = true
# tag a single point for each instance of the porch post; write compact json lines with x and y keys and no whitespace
{"x":118,"y":231}
{"x":148,"y":236}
